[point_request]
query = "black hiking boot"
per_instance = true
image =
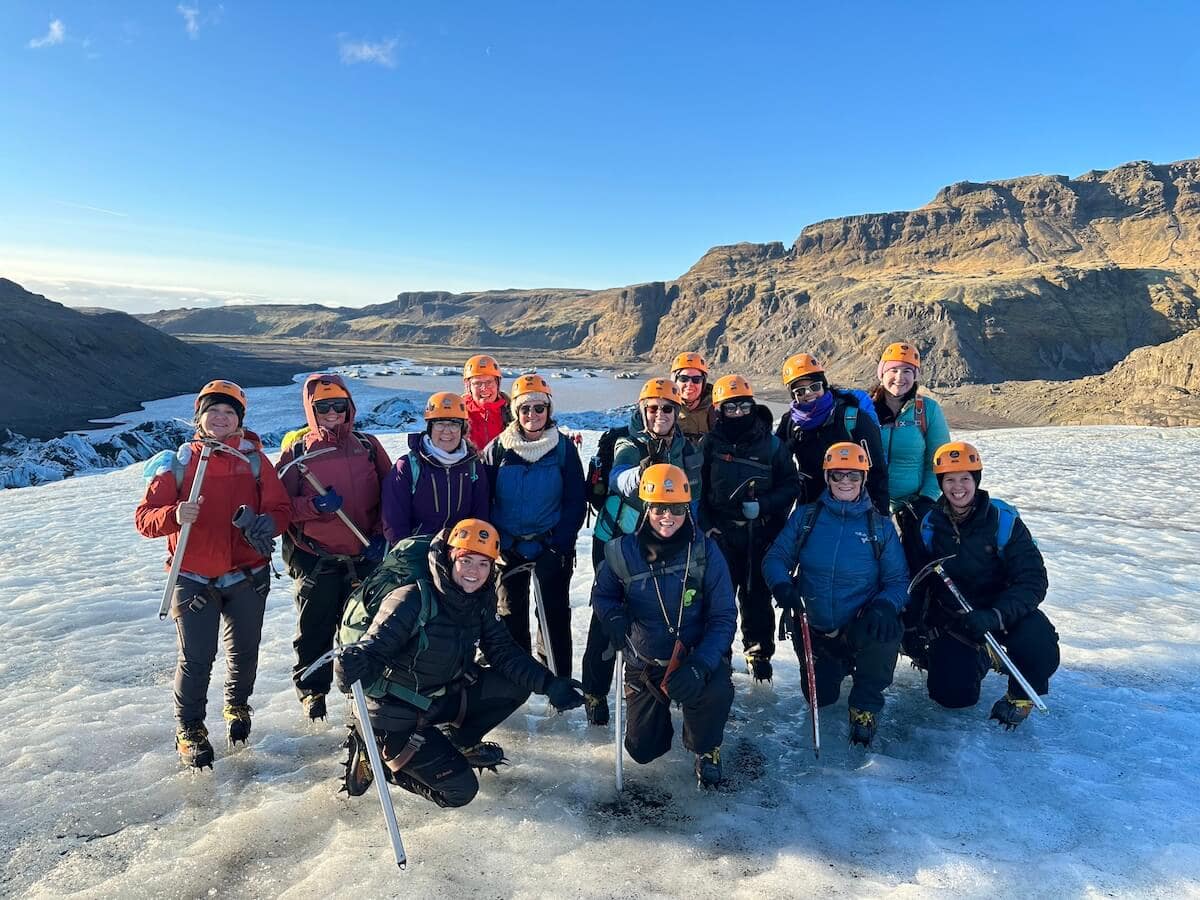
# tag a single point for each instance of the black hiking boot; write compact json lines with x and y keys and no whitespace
{"x":484,"y":755}
{"x":237,"y":721}
{"x":191,"y":743}
{"x":314,"y":706}
{"x":759,"y":667}
{"x":708,"y":768}
{"x":596,"y":709}
{"x":357,"y":778}
{"x":1011,"y":711}
{"x":863,"y":725}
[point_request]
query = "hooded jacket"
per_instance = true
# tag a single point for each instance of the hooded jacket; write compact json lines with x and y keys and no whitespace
{"x":215,"y":547}
{"x":485,"y":421}
{"x":696,"y":423}
{"x":347,"y":468}
{"x":838,"y":571}
{"x":910,"y":451}
{"x":443,"y":494}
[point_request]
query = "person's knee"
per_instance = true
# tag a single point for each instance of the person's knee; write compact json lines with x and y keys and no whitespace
{"x":459,"y":791}
{"x":953,"y":695}
{"x":643,"y":750}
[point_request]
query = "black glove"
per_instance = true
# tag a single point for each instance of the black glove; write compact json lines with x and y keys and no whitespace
{"x":686,"y":683}
{"x":377,"y":549}
{"x":979,"y":622}
{"x":356,"y":662}
{"x":564,"y":693}
{"x":259,"y":530}
{"x":786,"y":596}
{"x":616,"y":628}
{"x":330,"y":503}
{"x":880,"y":622}
{"x":646,"y":463}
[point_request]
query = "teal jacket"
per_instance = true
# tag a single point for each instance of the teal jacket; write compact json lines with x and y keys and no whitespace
{"x":909,"y":452}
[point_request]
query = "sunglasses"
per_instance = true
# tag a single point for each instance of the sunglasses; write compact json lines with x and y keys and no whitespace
{"x":737,"y":408}
{"x":801,"y":391}
{"x":663,"y":509}
{"x":852,"y":477}
{"x":690,"y":379}
{"x":456,"y":424}
{"x":532,"y":409}
{"x":665,"y":410}
{"x":321,"y":407}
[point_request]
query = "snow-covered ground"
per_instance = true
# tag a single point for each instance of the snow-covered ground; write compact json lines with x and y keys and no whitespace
{"x":1099,"y":798}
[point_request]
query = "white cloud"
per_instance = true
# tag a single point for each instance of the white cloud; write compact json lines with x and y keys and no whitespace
{"x":191,"y":19}
{"x":382,"y":53}
{"x":54,"y":36}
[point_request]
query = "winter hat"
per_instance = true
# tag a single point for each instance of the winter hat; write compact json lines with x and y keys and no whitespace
{"x":328,"y":390}
{"x":885,"y":365}
{"x":210,"y":400}
{"x":532,"y":397}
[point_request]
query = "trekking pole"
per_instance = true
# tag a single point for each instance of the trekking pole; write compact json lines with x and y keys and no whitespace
{"x":184,"y":532}
{"x":993,"y":644}
{"x":535,"y":588}
{"x":368,"y":734}
{"x":620,"y":723}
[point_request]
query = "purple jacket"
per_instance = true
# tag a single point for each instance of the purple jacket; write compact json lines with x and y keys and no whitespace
{"x":442,"y":496}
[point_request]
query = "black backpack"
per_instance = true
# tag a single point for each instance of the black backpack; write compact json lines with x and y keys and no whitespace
{"x":600,"y":467}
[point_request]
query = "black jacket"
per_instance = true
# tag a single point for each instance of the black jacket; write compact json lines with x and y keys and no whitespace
{"x":808,"y":448}
{"x":1013,"y":582}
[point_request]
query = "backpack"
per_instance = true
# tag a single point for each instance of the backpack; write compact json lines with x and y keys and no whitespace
{"x":810,"y":519}
{"x":414,"y":466}
{"x":616,"y":561}
{"x":600,"y":467}
{"x":407,"y":562}
{"x":169,"y":459}
{"x":1006,"y":518}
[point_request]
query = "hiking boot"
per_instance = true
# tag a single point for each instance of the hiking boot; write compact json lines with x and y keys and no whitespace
{"x":484,"y":755}
{"x":191,"y":743}
{"x":708,"y":768}
{"x":357,"y":778}
{"x":1011,"y":711}
{"x":863,"y":725}
{"x":237,"y":720}
{"x":314,"y":706}
{"x":759,"y":667}
{"x":596,"y":709}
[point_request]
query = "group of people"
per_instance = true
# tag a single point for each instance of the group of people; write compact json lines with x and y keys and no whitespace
{"x":708,"y":513}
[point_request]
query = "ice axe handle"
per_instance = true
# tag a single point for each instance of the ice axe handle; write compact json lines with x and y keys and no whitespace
{"x":341,"y":514}
{"x":185,"y":532}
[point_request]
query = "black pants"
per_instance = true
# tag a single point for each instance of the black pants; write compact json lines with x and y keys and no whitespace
{"x":908,"y":523}
{"x":648,"y":727}
{"x":753,"y":595}
{"x":848,"y":652}
{"x":957,"y":665}
{"x":554,"y":577}
{"x":438,"y":771}
{"x":597,"y":671}
{"x":320,"y":590}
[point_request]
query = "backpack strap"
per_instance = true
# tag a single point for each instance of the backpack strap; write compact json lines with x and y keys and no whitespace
{"x":615,"y":558}
{"x":414,"y":467}
{"x":919,"y":406}
{"x":1006,"y":519}
{"x":806,"y":526}
{"x":850,"y":419}
{"x":367,"y":445}
{"x":927,"y":531}
{"x":873,"y":533}
{"x":429,"y":609}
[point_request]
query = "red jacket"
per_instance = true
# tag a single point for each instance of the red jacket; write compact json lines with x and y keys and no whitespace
{"x":215,"y":547}
{"x":485,"y":421}
{"x":348,"y":469}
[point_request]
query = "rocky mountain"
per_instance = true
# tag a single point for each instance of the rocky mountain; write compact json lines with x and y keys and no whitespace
{"x":1043,"y":277}
{"x":63,"y":366}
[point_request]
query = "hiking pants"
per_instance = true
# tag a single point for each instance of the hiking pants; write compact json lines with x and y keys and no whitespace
{"x":848,"y":652}
{"x":957,"y":665}
{"x":753,"y":596}
{"x":438,"y":771}
{"x":514,"y":601}
{"x":200,"y":611}
{"x":321,"y":587}
{"x":597,"y":671}
{"x":648,"y":727}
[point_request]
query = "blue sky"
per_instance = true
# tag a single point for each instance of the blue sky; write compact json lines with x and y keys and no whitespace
{"x":185,"y":153}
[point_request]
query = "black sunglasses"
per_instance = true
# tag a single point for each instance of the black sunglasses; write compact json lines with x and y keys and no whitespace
{"x":674,"y":509}
{"x":737,"y":408}
{"x":321,"y":407}
{"x":689,"y":379}
{"x":851,"y":476}
{"x":535,"y":409}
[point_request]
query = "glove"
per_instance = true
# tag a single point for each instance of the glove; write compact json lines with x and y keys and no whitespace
{"x":328,"y":504}
{"x":979,"y":622}
{"x":377,"y":549}
{"x":564,"y":693}
{"x":686,"y":683}
{"x":880,"y":622}
{"x":786,"y":596}
{"x":645,"y":464}
{"x":616,"y":628}
{"x":356,"y":662}
{"x":258,"y":530}
{"x":750,"y":509}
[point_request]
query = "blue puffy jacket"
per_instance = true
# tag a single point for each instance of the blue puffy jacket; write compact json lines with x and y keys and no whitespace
{"x":839,"y":573}
{"x":708,"y":620}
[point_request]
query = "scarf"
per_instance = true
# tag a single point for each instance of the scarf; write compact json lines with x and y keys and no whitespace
{"x":810,"y":416}
{"x":655,"y":548}
{"x":512,"y":439}
{"x":447,"y":459}
{"x":736,"y":429}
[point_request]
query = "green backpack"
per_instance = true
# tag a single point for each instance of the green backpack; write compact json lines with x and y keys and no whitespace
{"x":407,"y":562}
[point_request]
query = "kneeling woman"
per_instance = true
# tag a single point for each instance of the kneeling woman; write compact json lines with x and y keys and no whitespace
{"x":429,"y":677}
{"x":663,"y":595}
{"x":852,"y":579}
{"x":995,"y":563}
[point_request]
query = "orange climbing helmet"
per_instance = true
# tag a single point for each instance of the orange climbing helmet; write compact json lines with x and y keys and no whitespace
{"x":689,"y":361}
{"x":474,"y":536}
{"x":730,"y":387}
{"x":799,"y":366}
{"x":530,"y":384}
{"x":660,"y":389}
{"x":845,"y":455}
{"x":445,"y":405}
{"x":664,"y":483}
{"x":227,"y":391}
{"x":901,"y":352}
{"x":956,"y":456}
{"x":481,"y":365}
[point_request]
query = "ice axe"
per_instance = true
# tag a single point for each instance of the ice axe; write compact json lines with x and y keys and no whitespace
{"x":935,"y":567}
{"x":620,"y":720}
{"x":321,"y":490}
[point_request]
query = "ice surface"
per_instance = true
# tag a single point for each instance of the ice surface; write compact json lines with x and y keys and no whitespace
{"x":1098,"y":798}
